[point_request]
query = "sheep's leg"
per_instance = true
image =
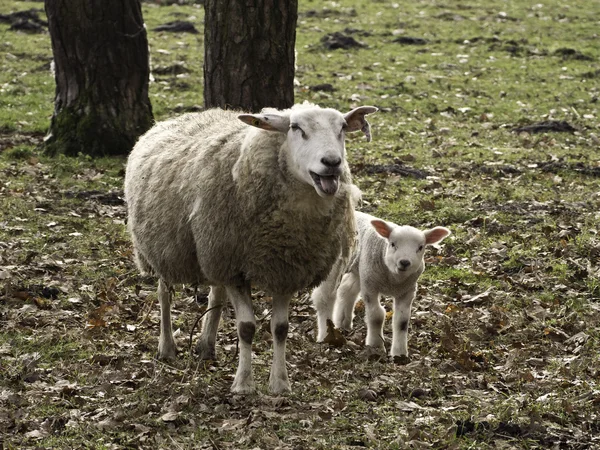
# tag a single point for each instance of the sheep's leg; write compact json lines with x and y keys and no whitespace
{"x":402,"y":307}
{"x":278,"y":380}
{"x":217,"y":299}
{"x":374,"y":316}
{"x":347,"y":293}
{"x":166,"y":343}
{"x":243,"y":382}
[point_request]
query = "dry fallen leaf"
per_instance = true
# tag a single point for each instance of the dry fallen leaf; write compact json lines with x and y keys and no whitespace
{"x":367,"y":395}
{"x":171,"y":416}
{"x":334,"y":336}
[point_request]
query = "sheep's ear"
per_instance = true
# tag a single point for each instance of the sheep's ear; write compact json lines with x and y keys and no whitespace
{"x":382,"y":228}
{"x":270,"y":122}
{"x":436,"y":235}
{"x":356,"y":120}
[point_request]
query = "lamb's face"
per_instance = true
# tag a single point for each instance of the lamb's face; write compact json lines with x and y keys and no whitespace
{"x":317,"y":151}
{"x":406,"y":244}
{"x":405,"y":248}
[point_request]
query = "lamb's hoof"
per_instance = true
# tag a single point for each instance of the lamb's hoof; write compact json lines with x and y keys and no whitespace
{"x":206,"y":352}
{"x":280,"y":386}
{"x":401,"y":360}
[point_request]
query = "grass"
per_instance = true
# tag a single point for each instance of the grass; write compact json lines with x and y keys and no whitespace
{"x":504,"y":335}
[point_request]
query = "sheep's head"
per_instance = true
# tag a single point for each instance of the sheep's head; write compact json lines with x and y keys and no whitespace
{"x":316,"y":140}
{"x":406,"y":244}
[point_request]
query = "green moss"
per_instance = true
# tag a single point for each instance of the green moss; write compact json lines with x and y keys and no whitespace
{"x":74,"y":132}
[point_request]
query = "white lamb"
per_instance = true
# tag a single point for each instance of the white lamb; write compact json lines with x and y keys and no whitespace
{"x":214,"y":201}
{"x":389,"y":261}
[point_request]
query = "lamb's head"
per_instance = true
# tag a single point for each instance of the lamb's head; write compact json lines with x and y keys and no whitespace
{"x":315,"y":140}
{"x":406,"y":244}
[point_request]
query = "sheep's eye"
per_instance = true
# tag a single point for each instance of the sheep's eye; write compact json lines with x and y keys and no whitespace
{"x":295,"y":127}
{"x":392,"y":245}
{"x":420,"y":248}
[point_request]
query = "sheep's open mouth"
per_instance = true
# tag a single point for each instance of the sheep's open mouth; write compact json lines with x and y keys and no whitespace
{"x":328,"y":184}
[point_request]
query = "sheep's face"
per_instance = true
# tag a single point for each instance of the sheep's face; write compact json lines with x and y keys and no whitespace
{"x":406,"y":245}
{"x":315,"y":138}
{"x":317,"y":152}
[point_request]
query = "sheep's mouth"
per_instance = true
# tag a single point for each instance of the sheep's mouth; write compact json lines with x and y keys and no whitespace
{"x":327,"y":184}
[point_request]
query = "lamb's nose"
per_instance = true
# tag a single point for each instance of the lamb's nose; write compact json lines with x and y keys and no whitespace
{"x":331,"y":162}
{"x":404,"y":263}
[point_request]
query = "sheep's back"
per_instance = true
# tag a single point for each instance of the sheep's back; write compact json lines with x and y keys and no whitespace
{"x":170,"y":167}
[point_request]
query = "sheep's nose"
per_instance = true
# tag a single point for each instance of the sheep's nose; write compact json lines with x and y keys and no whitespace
{"x":331,"y":162}
{"x":404,"y":263}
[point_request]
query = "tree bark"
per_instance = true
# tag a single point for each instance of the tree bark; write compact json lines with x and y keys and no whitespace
{"x":249,"y":53}
{"x":100,"y":52}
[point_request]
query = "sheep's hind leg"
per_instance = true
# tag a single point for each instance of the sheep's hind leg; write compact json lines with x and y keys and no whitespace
{"x":279,"y":382}
{"x":210,"y":324}
{"x":243,"y":382}
{"x":166,"y":343}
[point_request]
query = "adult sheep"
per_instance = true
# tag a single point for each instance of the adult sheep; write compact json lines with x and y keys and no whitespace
{"x":213,"y":201}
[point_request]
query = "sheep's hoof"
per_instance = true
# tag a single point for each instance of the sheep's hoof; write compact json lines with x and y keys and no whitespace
{"x":243,"y":388}
{"x":279,"y":386}
{"x":166,"y":355}
{"x":206,"y":352}
{"x":401,"y":360}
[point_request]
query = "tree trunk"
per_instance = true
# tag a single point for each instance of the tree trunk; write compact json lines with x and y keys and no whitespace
{"x":249,"y":53}
{"x":101,"y":69}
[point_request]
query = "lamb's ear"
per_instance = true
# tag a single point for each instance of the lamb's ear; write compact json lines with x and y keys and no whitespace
{"x":383,"y":228}
{"x":356,"y":120}
{"x":270,"y":122}
{"x":436,"y":235}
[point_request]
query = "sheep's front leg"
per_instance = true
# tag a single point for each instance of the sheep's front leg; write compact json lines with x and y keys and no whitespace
{"x":243,"y":382}
{"x":374,"y":316}
{"x":166,"y":343}
{"x":347,"y":293}
{"x":402,"y":308}
{"x":278,"y":380}
{"x":210,"y":324}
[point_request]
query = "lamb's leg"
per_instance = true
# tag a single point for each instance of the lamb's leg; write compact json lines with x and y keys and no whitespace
{"x":217,"y":299}
{"x":402,"y":307}
{"x":347,"y":293}
{"x":323,"y":298}
{"x":278,"y":380}
{"x":246,"y":327}
{"x":374,"y":317}
{"x":166,"y":343}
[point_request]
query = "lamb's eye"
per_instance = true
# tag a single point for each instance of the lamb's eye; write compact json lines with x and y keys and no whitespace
{"x":392,"y":245}
{"x":420,"y":248}
{"x":343,"y":130}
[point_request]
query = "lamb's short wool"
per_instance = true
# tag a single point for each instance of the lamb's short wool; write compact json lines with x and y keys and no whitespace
{"x":214,"y":201}
{"x":388,"y":260}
